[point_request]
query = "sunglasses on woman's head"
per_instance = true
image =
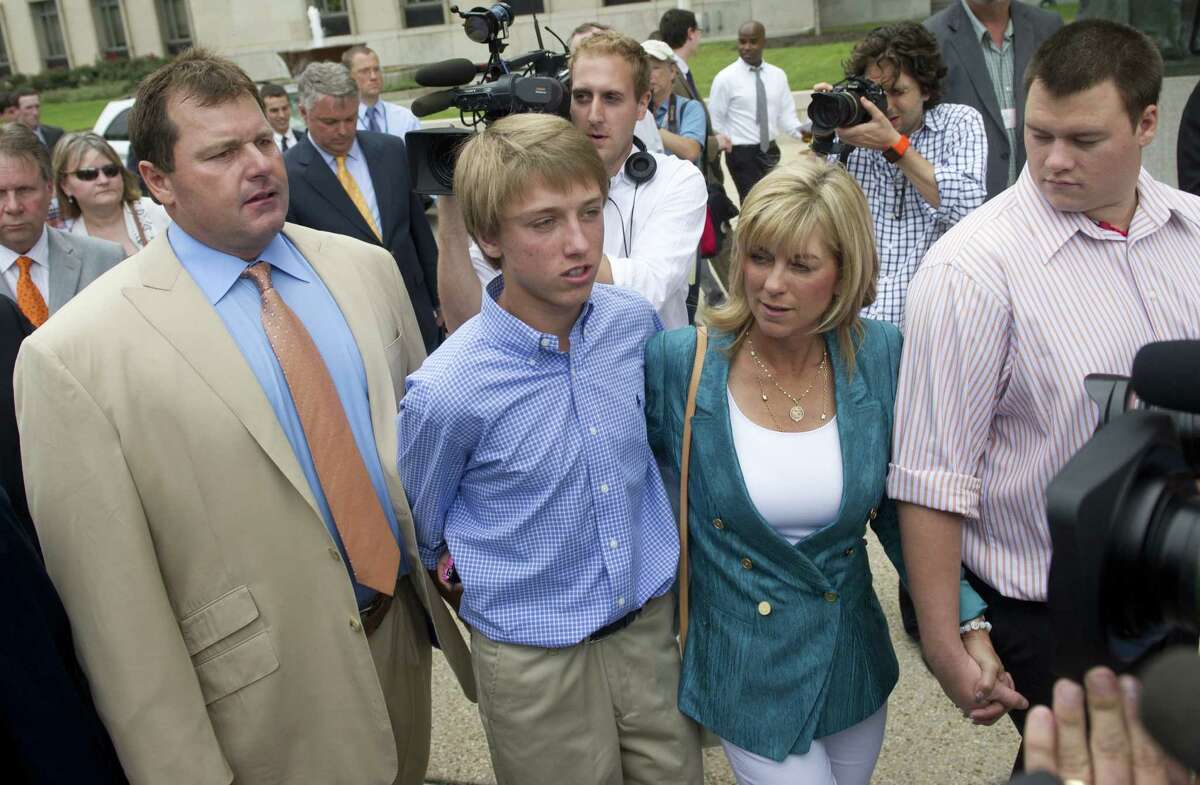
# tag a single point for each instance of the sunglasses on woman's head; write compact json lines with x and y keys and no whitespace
{"x":92,"y":172}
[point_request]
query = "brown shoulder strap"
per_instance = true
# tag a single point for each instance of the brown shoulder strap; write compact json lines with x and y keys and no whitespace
{"x":688,"y":411}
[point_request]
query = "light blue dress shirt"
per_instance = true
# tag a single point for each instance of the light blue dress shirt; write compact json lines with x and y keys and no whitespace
{"x":689,"y":120}
{"x":237,"y":302}
{"x":532,"y":465}
{"x":356,"y":163}
{"x":392,"y":118}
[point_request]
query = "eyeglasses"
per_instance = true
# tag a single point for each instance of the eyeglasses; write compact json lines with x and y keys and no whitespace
{"x":91,"y":172}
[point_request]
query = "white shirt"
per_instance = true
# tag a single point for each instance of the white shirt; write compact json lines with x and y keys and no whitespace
{"x":733,"y":103}
{"x":647,"y":130}
{"x":292,"y":141}
{"x":39,"y":271}
{"x":656,"y":258}
{"x":393,"y":118}
{"x":793,"y":479}
{"x":356,"y":164}
{"x":152,"y":217}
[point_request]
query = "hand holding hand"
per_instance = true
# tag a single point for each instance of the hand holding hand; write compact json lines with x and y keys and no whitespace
{"x":878,"y":133}
{"x":1118,"y":752}
{"x":451,"y":592}
{"x":974,"y":679}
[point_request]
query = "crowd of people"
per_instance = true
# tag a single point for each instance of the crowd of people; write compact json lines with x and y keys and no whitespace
{"x":265,"y":434}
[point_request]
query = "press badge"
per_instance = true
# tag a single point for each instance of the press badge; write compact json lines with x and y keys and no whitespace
{"x":1010,"y":118}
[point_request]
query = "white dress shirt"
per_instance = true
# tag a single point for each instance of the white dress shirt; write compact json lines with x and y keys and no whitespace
{"x":292,"y":141}
{"x":356,"y":164}
{"x":393,"y":118}
{"x":654,"y":255}
{"x":647,"y":130}
{"x":39,"y":271}
{"x":733,"y":103}
{"x":152,"y":218}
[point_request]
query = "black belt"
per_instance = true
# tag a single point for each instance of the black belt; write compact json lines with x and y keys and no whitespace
{"x":615,"y":627}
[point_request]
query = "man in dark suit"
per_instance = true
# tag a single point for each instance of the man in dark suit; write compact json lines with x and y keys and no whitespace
{"x":278,"y":107}
{"x":13,"y":329}
{"x":356,"y":183}
{"x":986,"y":46}
{"x":29,"y":114}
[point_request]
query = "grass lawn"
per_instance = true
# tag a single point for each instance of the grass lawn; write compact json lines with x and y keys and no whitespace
{"x":804,"y":64}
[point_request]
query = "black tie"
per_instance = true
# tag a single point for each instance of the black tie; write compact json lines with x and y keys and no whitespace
{"x":692,"y":85}
{"x":283,"y":142}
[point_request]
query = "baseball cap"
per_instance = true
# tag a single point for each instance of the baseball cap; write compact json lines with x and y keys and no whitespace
{"x":659,"y":50}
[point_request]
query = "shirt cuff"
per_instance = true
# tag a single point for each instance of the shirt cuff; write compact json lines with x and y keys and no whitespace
{"x":935,"y":489}
{"x":430,"y":556}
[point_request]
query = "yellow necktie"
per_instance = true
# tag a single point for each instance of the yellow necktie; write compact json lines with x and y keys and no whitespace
{"x":29,"y":299}
{"x":347,"y":181}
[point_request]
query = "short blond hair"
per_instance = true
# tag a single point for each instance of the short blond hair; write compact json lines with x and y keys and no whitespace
{"x":780,"y":213}
{"x":515,"y":153}
{"x":609,"y":43}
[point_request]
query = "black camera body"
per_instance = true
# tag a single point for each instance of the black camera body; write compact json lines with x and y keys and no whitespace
{"x":533,"y":82}
{"x":842,"y":108}
{"x":1124,"y":516}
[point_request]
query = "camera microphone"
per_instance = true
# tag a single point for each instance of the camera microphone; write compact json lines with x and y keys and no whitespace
{"x":1165,"y":375}
{"x":433,"y":103}
{"x":1170,"y":694}
{"x":447,"y":73}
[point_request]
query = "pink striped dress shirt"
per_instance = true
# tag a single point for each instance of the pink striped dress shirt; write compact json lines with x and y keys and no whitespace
{"x":1006,"y":315}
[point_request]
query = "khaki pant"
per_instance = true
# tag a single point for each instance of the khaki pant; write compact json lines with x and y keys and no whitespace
{"x":403,"y":658}
{"x":597,"y":713}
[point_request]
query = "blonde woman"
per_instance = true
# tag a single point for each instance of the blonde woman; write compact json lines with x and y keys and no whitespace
{"x":788,"y":657}
{"x":99,"y":197}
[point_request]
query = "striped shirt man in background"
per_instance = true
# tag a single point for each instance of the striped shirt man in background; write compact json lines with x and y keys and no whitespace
{"x":1085,"y":259}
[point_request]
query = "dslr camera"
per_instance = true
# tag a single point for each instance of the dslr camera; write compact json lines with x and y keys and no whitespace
{"x":533,"y":82}
{"x":841,"y":108}
{"x":1124,"y":517}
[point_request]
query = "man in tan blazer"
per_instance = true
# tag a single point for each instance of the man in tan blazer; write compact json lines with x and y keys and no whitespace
{"x":193,"y":428}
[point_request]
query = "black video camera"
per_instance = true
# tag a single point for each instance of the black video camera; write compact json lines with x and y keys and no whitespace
{"x":1124,"y":517}
{"x":533,"y":82}
{"x":841,"y":108}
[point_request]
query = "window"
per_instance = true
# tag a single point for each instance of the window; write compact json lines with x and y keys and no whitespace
{"x":424,"y":13}
{"x":176,"y":29}
{"x":621,"y":2}
{"x":335,"y":16}
{"x":524,"y":7}
{"x":5,"y":66}
{"x":110,"y":29}
{"x":49,"y":33}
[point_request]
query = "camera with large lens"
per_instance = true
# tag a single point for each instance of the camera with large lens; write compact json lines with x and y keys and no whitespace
{"x":533,"y":82}
{"x":1124,"y":517}
{"x":842,"y":107}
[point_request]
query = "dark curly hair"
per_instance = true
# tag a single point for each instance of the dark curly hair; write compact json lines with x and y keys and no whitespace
{"x":906,"y":46}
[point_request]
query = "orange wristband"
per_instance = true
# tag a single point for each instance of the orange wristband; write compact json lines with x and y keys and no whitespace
{"x":896,"y":151}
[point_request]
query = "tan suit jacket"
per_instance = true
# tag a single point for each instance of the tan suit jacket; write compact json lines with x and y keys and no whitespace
{"x":211,"y":612}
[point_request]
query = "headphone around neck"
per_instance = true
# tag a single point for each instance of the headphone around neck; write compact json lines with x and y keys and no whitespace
{"x":641,"y":166}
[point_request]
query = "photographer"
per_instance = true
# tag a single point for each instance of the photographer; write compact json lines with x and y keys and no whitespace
{"x":652,"y":222}
{"x":921,"y":163}
{"x":1069,"y":272}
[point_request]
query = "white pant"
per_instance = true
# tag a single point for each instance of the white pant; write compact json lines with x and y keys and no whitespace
{"x":845,"y":758}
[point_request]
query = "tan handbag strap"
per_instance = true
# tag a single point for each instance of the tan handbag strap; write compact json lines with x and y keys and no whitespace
{"x":688,"y":410}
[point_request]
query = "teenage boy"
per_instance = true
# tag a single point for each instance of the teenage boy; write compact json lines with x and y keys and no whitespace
{"x":523,"y":449}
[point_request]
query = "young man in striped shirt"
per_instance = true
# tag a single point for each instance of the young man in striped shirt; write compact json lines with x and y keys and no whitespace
{"x":1085,"y":259}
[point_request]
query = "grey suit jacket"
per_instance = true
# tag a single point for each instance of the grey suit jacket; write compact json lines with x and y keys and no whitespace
{"x":74,"y":263}
{"x":967,"y":80}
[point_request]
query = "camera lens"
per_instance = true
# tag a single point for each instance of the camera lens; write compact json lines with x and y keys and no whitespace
{"x":833,"y":110}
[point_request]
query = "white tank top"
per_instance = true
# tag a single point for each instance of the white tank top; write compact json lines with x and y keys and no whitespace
{"x":794,"y":479}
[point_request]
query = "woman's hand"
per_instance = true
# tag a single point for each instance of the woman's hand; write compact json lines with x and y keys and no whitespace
{"x":978,"y":645}
{"x":974,"y":679}
{"x":451,"y":592}
{"x":1118,"y":751}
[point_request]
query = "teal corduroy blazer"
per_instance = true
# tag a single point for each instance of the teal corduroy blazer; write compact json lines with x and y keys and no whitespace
{"x":785,"y":643}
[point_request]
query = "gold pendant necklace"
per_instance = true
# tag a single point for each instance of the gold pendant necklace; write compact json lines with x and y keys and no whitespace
{"x":796,"y":412}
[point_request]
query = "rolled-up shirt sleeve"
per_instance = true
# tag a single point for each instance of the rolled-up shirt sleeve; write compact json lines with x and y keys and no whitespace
{"x":952,"y":374}
{"x":663,"y":247}
{"x":961,"y":169}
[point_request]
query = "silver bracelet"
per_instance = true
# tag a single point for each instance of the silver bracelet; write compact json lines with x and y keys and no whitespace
{"x":974,"y":625}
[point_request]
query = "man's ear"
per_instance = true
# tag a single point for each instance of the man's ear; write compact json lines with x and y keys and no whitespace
{"x":159,"y":183}
{"x":1147,"y":127}
{"x":489,"y":246}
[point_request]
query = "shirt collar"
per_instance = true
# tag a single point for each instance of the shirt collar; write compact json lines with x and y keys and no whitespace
{"x":39,"y":253}
{"x":752,"y":68}
{"x":355,"y":153}
{"x":683,"y":66}
{"x":515,"y":336}
{"x":216,"y":272}
{"x":1155,"y":208}
{"x":363,"y":108}
{"x":981,"y":31}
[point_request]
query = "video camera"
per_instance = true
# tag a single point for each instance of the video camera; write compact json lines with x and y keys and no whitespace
{"x":841,"y":108}
{"x":1124,"y":516}
{"x":533,"y":82}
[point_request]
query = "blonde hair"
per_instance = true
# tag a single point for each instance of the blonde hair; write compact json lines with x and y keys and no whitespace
{"x":496,"y":167}
{"x":68,"y":153}
{"x":609,"y":43}
{"x":781,"y":212}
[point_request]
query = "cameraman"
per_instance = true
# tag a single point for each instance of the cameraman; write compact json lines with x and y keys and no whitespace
{"x":651,"y":227}
{"x":922,"y":164}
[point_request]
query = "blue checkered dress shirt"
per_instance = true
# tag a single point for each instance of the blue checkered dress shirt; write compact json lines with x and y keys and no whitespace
{"x":906,"y":226}
{"x":532,"y":466}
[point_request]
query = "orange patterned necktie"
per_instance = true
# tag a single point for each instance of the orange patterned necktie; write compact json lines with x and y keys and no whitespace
{"x":29,"y":299}
{"x":357,"y":513}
